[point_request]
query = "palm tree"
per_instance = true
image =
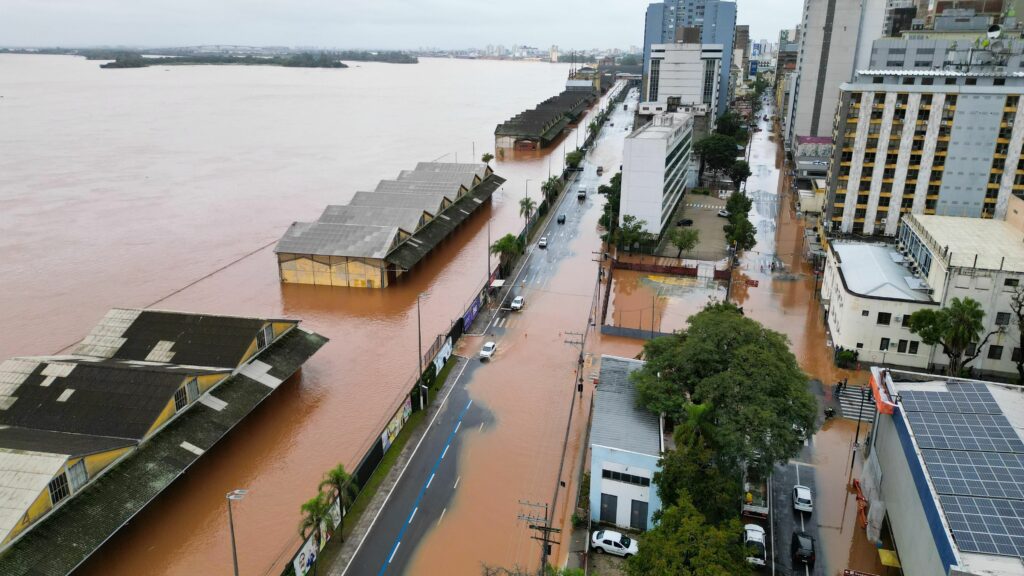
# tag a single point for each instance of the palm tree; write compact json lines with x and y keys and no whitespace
{"x":956,"y":328}
{"x":343,"y":486}
{"x":526,"y":208}
{"x":507,"y":247}
{"x":487,"y":157}
{"x":315,"y":511}
{"x":551,"y":187}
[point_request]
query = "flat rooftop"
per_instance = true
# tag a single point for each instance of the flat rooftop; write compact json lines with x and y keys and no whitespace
{"x":877,"y":271}
{"x":967,"y":436}
{"x":661,"y":127}
{"x":976,"y":242}
{"x":327,"y":239}
{"x":407,"y":219}
{"x":618,"y":422}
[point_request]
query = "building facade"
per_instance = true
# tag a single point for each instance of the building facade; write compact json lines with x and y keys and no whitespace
{"x":870,"y":290}
{"x":835,"y":40}
{"x":687,"y":72}
{"x":719,"y":28}
{"x":939,"y":141}
{"x":657,"y":167}
{"x":742,"y":45}
{"x":626,"y":443}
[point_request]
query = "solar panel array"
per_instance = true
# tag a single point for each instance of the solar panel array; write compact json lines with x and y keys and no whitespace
{"x":975,"y":460}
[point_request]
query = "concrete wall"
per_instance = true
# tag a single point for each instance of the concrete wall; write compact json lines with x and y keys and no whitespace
{"x":643,"y":180}
{"x":604,"y":458}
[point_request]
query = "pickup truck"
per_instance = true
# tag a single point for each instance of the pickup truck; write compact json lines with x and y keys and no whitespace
{"x":755,"y":498}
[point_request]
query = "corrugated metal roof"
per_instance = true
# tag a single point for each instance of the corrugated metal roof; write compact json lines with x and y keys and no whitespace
{"x":62,"y":443}
{"x":480,"y":169}
{"x":325,"y":239}
{"x":617,"y":421}
{"x":23,"y":476}
{"x":430,"y":203}
{"x":450,"y":190}
{"x":466,"y":180}
{"x":407,"y":219}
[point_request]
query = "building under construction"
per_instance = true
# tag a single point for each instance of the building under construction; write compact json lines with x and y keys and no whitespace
{"x":539,"y":127}
{"x":380,"y":235}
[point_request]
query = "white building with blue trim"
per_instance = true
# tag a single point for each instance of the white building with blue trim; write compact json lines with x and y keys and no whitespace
{"x":626,"y":443}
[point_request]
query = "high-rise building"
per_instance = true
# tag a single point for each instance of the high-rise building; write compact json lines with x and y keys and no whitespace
{"x":899,"y":16}
{"x":835,"y":40}
{"x":652,"y":31}
{"x":743,"y":43}
{"x":553,"y":54}
{"x":719,"y":27}
{"x":944,"y":138}
{"x":687,"y":72}
{"x":657,"y":165}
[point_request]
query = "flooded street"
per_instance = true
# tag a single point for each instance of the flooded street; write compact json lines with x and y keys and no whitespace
{"x":168,"y":188}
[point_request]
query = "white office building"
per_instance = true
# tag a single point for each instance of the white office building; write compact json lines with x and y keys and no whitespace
{"x":657,"y":166}
{"x":686,"y":74}
{"x":870,"y":290}
{"x":943,"y":476}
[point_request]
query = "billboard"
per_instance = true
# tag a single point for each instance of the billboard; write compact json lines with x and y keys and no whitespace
{"x":387,"y":437}
{"x":474,"y":309}
{"x":443,"y":355}
{"x":306,"y":557}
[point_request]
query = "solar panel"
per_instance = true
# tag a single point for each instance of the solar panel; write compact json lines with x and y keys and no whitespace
{"x":974,"y":432}
{"x":987,"y":474}
{"x":960,"y":398}
{"x":985,"y":525}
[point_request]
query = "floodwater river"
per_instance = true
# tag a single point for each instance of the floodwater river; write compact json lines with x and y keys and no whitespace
{"x":168,"y":188}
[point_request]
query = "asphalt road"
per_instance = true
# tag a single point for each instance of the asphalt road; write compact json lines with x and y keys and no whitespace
{"x":429,"y":483}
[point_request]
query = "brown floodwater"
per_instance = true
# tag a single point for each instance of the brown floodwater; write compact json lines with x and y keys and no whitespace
{"x":168,"y":187}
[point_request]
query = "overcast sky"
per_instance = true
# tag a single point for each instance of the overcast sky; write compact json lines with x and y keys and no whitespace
{"x":400,"y":24}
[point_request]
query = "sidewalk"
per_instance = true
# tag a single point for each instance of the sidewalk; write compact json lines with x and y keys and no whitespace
{"x":339,"y":562}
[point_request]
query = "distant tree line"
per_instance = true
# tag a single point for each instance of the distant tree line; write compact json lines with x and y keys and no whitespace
{"x":123,"y":58}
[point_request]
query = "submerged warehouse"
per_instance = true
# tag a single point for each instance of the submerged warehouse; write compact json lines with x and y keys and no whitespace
{"x":537,"y":128}
{"x":382,"y":234}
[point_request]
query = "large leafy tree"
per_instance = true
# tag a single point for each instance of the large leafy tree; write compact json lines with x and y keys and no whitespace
{"x":739,"y":203}
{"x":745,"y":374}
{"x":956,"y":328}
{"x":632,"y":230}
{"x":685,"y":239}
{"x":692,"y":467}
{"x":610,"y":217}
{"x":729,"y":124}
{"x":343,"y":486}
{"x":739,"y":172}
{"x":551,"y":187}
{"x":716,"y":152}
{"x":739,"y":232}
{"x":487,"y":157}
{"x":507,"y":248}
{"x":683,"y":543}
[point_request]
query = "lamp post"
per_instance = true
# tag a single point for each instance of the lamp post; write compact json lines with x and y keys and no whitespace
{"x":526,"y":194}
{"x":236,"y":494}
{"x":419,"y":354}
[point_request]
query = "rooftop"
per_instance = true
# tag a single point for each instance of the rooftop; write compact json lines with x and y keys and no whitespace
{"x":467,"y":179}
{"x":447,"y":188}
{"x":967,"y":439}
{"x":327,"y":239}
{"x":662,"y":127}
{"x":407,"y":219}
{"x":876,"y":271}
{"x":814,"y":140}
{"x":430,"y":202}
{"x":618,"y":422}
{"x":974,"y":242}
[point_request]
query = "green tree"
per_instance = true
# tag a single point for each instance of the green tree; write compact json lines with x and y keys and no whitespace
{"x":507,"y":248}
{"x":716,"y":152}
{"x":956,"y":328}
{"x":610,"y":215}
{"x":593,"y":127}
{"x":629,"y":60}
{"x":683,"y":543}
{"x":739,"y":204}
{"x":551,"y":187}
{"x":487,"y":157}
{"x":739,"y":172}
{"x":344,"y":489}
{"x":631,"y":231}
{"x":692,"y":467}
{"x":574,"y":158}
{"x":315,"y":511}
{"x":685,"y":239}
{"x":527,"y":206}
{"x":747,"y":376}
{"x":740,"y":233}
{"x":730,"y":124}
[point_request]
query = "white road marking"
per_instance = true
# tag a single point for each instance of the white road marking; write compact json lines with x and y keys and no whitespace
{"x":456,"y":482}
{"x":393,"y":552}
{"x":445,"y":452}
{"x":429,"y":481}
{"x":457,"y":426}
{"x":413,"y":515}
{"x":442,"y":516}
{"x":481,"y":426}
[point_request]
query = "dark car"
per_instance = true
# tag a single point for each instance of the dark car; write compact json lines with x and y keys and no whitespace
{"x":561,"y":218}
{"x":685,"y":222}
{"x":802,"y":548}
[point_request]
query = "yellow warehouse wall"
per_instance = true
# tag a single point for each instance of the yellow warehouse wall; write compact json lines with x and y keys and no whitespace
{"x":95,"y":463}
{"x":209,"y":381}
{"x":332,"y":271}
{"x":38,"y":508}
{"x":164,"y":416}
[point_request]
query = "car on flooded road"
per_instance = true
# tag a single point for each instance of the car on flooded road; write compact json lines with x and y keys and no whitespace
{"x":561,"y":218}
{"x":724,"y":213}
{"x":543,"y":243}
{"x":802,"y":499}
{"x":487,"y":352}
{"x":754,"y":542}
{"x":801,"y":548}
{"x":518,"y":302}
{"x":611,"y":542}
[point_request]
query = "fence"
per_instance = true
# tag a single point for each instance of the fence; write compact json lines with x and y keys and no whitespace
{"x":636,"y":333}
{"x":720,"y":273}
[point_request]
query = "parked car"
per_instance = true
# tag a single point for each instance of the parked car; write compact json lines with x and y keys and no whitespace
{"x":518,"y":302}
{"x":685,"y":222}
{"x":613,"y":543}
{"x":561,"y":218}
{"x":487,"y":352}
{"x":802,"y":548}
{"x":802,"y":499}
{"x":543,"y":242}
{"x":754,"y":542}
{"x":724,"y":213}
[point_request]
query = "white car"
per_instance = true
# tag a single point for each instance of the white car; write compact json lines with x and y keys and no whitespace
{"x":518,"y":302}
{"x":724,"y":214}
{"x":802,"y":499}
{"x":613,"y":543}
{"x":753,"y":540}
{"x":543,"y":242}
{"x":487,"y":352}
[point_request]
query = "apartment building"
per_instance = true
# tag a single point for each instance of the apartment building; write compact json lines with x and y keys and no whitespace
{"x":688,"y":72}
{"x":940,"y":141}
{"x":657,"y":167}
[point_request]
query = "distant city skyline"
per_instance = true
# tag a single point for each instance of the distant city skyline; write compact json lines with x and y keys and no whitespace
{"x":384,"y":24}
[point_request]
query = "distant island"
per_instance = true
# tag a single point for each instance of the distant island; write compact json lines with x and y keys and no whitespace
{"x":227,"y":55}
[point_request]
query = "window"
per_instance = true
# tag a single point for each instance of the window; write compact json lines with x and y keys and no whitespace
{"x":860,"y":345}
{"x":1003,"y":319}
{"x":913,"y":347}
{"x":180,"y":399}
{"x":971,"y":82}
{"x":884,"y":344}
{"x":865,"y":313}
{"x":1016,"y":355}
{"x":906,"y":321}
{"x":971,"y":349}
{"x":902,"y":347}
{"x":59,"y":488}
{"x":1012,"y":282}
{"x":995,"y":352}
{"x":999,"y":82}
{"x":264,"y":337}
{"x":192,"y":387}
{"x":884,"y":318}
{"x":78,"y":475}
{"x":627,"y":478}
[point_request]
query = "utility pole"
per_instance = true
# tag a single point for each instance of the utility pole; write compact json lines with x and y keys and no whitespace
{"x":488,"y":275}
{"x":577,"y":339}
{"x":526,"y":194}
{"x":419,"y":353}
{"x":543,"y":528}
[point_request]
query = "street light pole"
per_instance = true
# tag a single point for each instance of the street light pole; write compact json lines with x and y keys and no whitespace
{"x":236,"y":494}
{"x":526,"y":195}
